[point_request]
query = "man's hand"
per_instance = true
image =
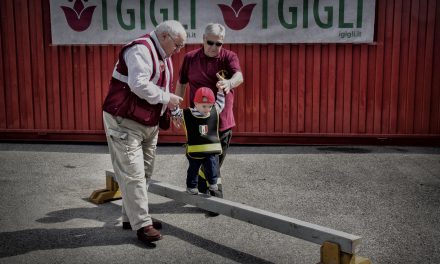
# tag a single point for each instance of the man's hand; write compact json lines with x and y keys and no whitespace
{"x":177,"y":121}
{"x":174,"y":101}
{"x":223,"y":84}
{"x":176,"y":116}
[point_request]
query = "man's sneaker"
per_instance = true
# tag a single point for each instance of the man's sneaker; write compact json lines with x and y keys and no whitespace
{"x":148,"y":234}
{"x":213,"y":187}
{"x":193,"y":191}
{"x":127,"y":226}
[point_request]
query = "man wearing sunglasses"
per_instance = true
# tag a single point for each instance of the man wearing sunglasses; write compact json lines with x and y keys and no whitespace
{"x":217,"y":68}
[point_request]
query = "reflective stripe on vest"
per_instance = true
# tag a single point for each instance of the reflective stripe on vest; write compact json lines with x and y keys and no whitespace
{"x":214,"y":147}
{"x":119,"y":76}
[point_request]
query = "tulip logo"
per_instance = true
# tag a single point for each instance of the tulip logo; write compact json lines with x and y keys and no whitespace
{"x":78,"y":17}
{"x":237,"y":16}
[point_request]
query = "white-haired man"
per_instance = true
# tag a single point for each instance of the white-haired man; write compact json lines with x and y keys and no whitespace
{"x":140,"y":92}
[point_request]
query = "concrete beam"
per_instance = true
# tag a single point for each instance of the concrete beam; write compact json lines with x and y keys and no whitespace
{"x":290,"y":226}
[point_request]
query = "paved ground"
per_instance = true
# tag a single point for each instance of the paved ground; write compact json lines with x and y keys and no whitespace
{"x":390,"y":196}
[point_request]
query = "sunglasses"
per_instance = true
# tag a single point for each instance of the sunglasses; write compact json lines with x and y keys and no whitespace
{"x":210,"y":43}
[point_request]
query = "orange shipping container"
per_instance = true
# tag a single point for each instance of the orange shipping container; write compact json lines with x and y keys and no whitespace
{"x":386,"y":92}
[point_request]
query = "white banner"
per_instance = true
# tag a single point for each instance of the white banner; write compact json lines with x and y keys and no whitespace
{"x":246,"y":21}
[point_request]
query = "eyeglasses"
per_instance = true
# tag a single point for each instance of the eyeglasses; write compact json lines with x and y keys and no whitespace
{"x":210,"y":43}
{"x":178,"y":46}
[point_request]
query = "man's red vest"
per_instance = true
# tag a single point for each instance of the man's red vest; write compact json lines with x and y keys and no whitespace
{"x":121,"y":101}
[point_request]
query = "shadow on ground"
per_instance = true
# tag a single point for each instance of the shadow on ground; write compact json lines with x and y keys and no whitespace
{"x":28,"y":240}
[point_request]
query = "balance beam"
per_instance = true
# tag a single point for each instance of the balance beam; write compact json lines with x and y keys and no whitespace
{"x":347,"y":243}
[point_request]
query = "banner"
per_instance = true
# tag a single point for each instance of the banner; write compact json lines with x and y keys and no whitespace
{"x":246,"y":21}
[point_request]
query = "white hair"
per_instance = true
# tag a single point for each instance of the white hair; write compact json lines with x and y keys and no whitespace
{"x":215,"y":29}
{"x":172,"y":27}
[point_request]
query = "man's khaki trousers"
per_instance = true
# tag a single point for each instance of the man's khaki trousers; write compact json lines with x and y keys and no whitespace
{"x":132,"y":149}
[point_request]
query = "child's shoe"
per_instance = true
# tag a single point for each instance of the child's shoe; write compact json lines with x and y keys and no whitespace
{"x":193,"y":191}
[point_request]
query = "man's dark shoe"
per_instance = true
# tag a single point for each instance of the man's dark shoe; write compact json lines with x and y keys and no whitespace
{"x":216,"y":193}
{"x":212,"y":214}
{"x":156,"y":225}
{"x":148,"y":234}
{"x":126,"y":225}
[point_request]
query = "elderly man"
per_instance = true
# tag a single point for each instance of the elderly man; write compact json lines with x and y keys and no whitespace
{"x":139,"y":94}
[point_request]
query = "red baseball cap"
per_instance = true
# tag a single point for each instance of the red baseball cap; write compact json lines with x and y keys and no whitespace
{"x":204,"y":95}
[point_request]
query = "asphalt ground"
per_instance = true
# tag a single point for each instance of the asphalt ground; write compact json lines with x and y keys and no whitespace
{"x":390,"y":196}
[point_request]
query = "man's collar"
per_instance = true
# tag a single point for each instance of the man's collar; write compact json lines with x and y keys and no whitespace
{"x":157,"y":44}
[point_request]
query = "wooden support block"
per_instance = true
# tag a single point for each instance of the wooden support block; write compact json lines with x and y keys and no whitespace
{"x":95,"y":194}
{"x":353,"y":259}
{"x":104,"y":195}
{"x":111,"y":184}
{"x":331,"y":254}
{"x":111,"y":192}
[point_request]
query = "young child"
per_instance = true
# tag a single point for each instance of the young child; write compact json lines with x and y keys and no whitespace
{"x":201,"y":125}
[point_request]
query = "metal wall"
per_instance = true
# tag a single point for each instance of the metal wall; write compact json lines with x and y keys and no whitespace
{"x":301,"y":93}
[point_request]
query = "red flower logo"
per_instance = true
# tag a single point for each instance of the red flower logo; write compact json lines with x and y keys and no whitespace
{"x":237,"y":16}
{"x":78,"y":17}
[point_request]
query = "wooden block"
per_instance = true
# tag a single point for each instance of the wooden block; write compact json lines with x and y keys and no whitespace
{"x":104,"y":195}
{"x":353,"y":259}
{"x":330,"y":253}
